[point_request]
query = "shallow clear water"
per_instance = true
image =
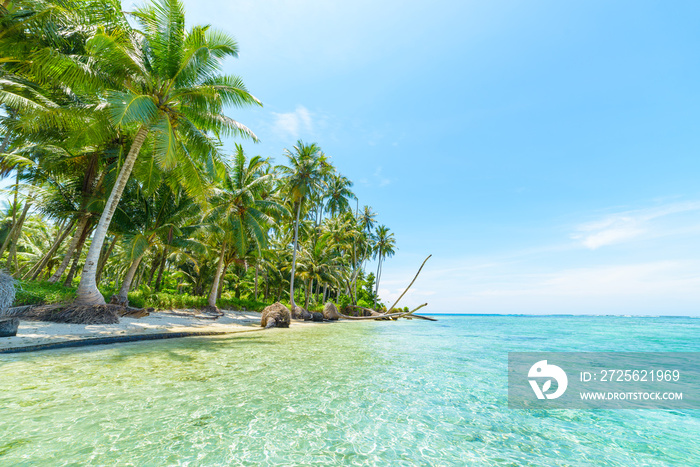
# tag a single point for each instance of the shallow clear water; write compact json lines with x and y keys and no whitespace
{"x":399,"y":393}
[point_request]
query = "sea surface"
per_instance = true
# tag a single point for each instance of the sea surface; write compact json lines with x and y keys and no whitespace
{"x":357,"y":393}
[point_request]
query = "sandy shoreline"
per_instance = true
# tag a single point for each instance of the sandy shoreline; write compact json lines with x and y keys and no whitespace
{"x":37,"y":333}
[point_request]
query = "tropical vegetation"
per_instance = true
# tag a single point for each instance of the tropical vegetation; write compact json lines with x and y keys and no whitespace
{"x":119,"y":184}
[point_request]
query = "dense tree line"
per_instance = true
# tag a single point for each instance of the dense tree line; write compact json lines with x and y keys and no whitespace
{"x":110,"y":129}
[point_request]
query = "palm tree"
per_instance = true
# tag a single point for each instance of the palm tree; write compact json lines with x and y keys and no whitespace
{"x":339,"y":194}
{"x":318,"y":264}
{"x":240,"y":216}
{"x":153,"y":220}
{"x":303,"y":177}
{"x":384,"y":247}
{"x":169,"y":91}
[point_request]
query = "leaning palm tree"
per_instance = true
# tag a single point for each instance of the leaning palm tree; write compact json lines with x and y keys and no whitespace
{"x":384,"y":247}
{"x":170,"y":91}
{"x":302,"y":177}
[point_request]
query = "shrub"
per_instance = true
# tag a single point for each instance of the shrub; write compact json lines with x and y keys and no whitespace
{"x":40,"y":293}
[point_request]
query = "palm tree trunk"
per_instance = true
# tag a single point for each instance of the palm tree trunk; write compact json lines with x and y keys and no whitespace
{"x":376,"y":286}
{"x":103,"y":259}
{"x":215,"y":286}
{"x":294,"y":257}
{"x":256,"y":282}
{"x":15,"y":204}
{"x":36,"y":270}
{"x":159,"y":279}
{"x":123,"y":296}
{"x":76,"y":257}
{"x":14,"y":228}
{"x":15,"y":235}
{"x":306,"y":298}
{"x":354,"y":269}
{"x":154,"y":268}
{"x":221,"y":283}
{"x":82,"y":225}
{"x":88,"y":294}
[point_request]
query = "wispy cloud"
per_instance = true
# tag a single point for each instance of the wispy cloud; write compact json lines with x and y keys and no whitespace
{"x":381,"y":179}
{"x":293,"y":124}
{"x":378,"y":178}
{"x":624,"y":226}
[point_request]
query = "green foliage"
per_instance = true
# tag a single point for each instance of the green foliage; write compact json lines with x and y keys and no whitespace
{"x":343,"y":301}
{"x":80,"y":83}
{"x":39,"y":293}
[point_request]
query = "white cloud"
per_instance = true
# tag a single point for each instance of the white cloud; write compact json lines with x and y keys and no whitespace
{"x":293,"y":124}
{"x":628,"y":225}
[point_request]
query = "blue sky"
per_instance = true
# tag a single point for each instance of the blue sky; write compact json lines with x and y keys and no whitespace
{"x":545,"y":152}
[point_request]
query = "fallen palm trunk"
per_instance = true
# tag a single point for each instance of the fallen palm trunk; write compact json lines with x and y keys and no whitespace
{"x":377,"y":316}
{"x":393,"y":316}
{"x":369,"y":310}
{"x":409,"y":285}
{"x":422,"y":317}
{"x":408,"y":313}
{"x":382,"y":316}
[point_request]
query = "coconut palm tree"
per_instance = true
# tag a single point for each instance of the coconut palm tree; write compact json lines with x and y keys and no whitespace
{"x":152,"y":221}
{"x":384,"y":248}
{"x":339,"y":194}
{"x":318,"y":263}
{"x":240,"y":217}
{"x":171,"y":93}
{"x":302,"y":178}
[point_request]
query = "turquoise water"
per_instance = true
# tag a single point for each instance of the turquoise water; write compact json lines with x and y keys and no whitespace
{"x":370,"y":393}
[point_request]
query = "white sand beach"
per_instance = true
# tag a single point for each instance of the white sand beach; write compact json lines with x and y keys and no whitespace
{"x":32,"y":333}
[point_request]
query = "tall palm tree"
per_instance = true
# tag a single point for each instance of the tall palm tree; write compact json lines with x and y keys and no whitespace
{"x":240,"y":215}
{"x":303,"y":176}
{"x":169,"y":90}
{"x":384,"y":247}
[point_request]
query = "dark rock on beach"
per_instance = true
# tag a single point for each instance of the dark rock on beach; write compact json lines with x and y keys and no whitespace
{"x":317,"y":316}
{"x":275,"y":315}
{"x":8,"y":327}
{"x":301,"y":313}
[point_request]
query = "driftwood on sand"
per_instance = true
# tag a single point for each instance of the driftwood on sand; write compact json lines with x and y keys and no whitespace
{"x":380,"y":316}
{"x":375,"y":315}
{"x":409,"y":285}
